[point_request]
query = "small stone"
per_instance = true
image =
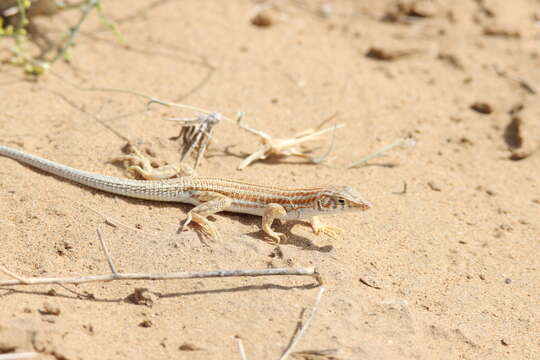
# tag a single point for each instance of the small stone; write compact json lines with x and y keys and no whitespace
{"x":482,"y":108}
{"x":497,"y":31}
{"x":48,"y":309}
{"x":433,"y":186}
{"x":326,"y":10}
{"x":507,"y":281}
{"x":519,"y":155}
{"x":262,"y":19}
{"x":377,"y":53}
{"x":89,"y":328}
{"x":142,"y":296}
{"x":146,"y":324}
{"x":188,"y":347}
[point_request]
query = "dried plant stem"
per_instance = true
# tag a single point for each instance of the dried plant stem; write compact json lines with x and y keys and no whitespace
{"x":115,"y":223}
{"x":320,"y":159}
{"x":241,"y":349}
{"x":303,"y":327}
{"x":164,"y":276}
{"x":286,"y":146}
{"x":106,"y":251}
{"x":196,"y":133}
{"x":17,"y":356}
{"x":13,"y":275}
{"x":19,"y":280}
{"x":404,"y":143}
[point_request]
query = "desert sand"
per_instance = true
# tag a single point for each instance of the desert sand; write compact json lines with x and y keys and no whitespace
{"x":444,"y":266}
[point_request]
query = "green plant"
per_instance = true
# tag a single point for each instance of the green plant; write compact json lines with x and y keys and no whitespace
{"x":16,"y":24}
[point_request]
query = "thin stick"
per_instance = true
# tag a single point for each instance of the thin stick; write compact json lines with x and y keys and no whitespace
{"x":320,"y":159}
{"x":106,"y":251}
{"x":241,"y":349}
{"x":113,"y":222}
{"x":400,"y":143}
{"x":519,"y":80}
{"x":327,"y":120}
{"x":303,"y":328}
{"x":13,"y":275}
{"x":166,"y":103}
{"x":16,"y":356}
{"x":167,"y":276}
{"x":151,"y":100}
{"x":402,"y":192}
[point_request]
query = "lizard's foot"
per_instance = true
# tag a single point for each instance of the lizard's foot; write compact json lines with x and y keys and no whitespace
{"x":320,"y":228}
{"x":277,"y":237}
{"x":271,"y":212}
{"x":205,"y":227}
{"x":185,"y":223}
{"x":211,"y":203}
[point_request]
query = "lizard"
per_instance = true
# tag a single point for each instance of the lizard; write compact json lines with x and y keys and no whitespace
{"x":211,"y":194}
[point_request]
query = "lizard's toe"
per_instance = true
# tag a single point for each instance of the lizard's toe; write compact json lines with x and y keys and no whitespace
{"x":278,"y":237}
{"x":331,"y":231}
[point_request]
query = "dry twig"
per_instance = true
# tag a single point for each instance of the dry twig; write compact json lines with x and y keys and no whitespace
{"x":303,"y":327}
{"x":520,"y":81}
{"x":284,"y":147}
{"x":402,"y":192}
{"x":115,"y":223}
{"x":196,"y":133}
{"x":402,"y":143}
{"x":106,"y":252}
{"x":241,"y":349}
{"x":166,"y":276}
{"x":18,"y":356}
{"x":13,"y":275}
{"x":114,"y":275}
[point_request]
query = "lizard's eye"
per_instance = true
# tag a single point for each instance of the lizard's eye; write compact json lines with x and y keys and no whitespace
{"x":341,"y":201}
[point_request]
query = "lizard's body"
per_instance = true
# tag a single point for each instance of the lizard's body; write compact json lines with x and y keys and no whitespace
{"x":212,"y":194}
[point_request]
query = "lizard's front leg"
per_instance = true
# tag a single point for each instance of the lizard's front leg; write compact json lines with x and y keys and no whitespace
{"x":211,"y":203}
{"x":318,"y":227}
{"x":271,"y":212}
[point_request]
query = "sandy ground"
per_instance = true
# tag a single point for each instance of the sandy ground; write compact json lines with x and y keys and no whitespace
{"x":447,"y":269}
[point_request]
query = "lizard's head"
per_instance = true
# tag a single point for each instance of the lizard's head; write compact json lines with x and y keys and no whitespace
{"x":340,"y":198}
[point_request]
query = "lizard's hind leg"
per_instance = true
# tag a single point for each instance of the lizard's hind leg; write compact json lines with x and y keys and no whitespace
{"x":211,"y":204}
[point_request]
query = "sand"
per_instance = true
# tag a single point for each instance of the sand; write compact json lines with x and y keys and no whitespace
{"x":444,"y":266}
